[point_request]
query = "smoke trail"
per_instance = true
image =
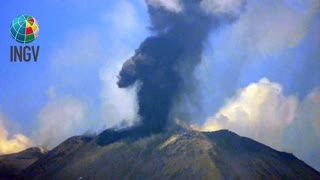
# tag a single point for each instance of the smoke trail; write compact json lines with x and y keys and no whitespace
{"x":164,"y":63}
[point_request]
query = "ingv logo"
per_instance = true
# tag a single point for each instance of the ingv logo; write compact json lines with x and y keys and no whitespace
{"x":24,"y":29}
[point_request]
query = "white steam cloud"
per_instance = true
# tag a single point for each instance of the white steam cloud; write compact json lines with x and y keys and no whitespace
{"x":303,"y":136}
{"x":259,"y":111}
{"x":57,"y":121}
{"x":274,"y":25}
{"x":210,"y":6}
{"x":60,"y":119}
{"x":119,"y":105}
{"x":171,"y":5}
{"x":11,"y":143}
{"x":222,"y":6}
{"x":262,"y":112}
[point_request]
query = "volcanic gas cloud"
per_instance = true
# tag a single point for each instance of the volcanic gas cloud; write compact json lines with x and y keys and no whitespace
{"x":164,"y":63}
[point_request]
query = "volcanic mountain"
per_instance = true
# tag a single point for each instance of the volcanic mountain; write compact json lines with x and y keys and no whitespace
{"x":12,"y":164}
{"x":177,"y":154}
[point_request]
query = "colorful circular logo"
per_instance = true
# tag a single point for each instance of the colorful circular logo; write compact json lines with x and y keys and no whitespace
{"x":24,"y":29}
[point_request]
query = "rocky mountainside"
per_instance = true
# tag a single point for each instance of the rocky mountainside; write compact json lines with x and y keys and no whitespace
{"x":181,"y":154}
{"x":12,"y":164}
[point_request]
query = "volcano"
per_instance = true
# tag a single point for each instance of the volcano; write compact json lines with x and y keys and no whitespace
{"x":12,"y":164}
{"x":177,"y":154}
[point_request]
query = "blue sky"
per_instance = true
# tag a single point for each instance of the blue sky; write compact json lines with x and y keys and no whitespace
{"x":24,"y":86}
{"x":83,"y":44}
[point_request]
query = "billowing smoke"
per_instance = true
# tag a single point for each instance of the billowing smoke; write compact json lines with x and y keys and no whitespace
{"x":11,"y":143}
{"x":263,"y":112}
{"x":58,"y":120}
{"x":260,"y":111}
{"x":164,"y":63}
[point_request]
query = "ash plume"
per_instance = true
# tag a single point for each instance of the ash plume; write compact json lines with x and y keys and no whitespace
{"x":164,"y":63}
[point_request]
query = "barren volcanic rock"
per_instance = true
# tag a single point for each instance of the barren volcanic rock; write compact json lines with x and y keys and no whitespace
{"x":181,"y":154}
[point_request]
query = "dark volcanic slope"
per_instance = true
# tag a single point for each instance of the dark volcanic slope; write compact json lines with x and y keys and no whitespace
{"x":179,"y":155}
{"x":53,"y":158}
{"x":12,"y":164}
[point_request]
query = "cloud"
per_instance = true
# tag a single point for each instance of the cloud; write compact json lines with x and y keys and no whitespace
{"x":60,"y":119}
{"x":119,"y":105}
{"x":260,"y":111}
{"x":78,"y":49}
{"x":233,"y":7}
{"x":310,"y":108}
{"x":275,"y":25}
{"x":129,"y":20}
{"x":77,"y":60}
{"x":171,"y":5}
{"x":303,"y":136}
{"x":86,"y":66}
{"x":11,"y":143}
